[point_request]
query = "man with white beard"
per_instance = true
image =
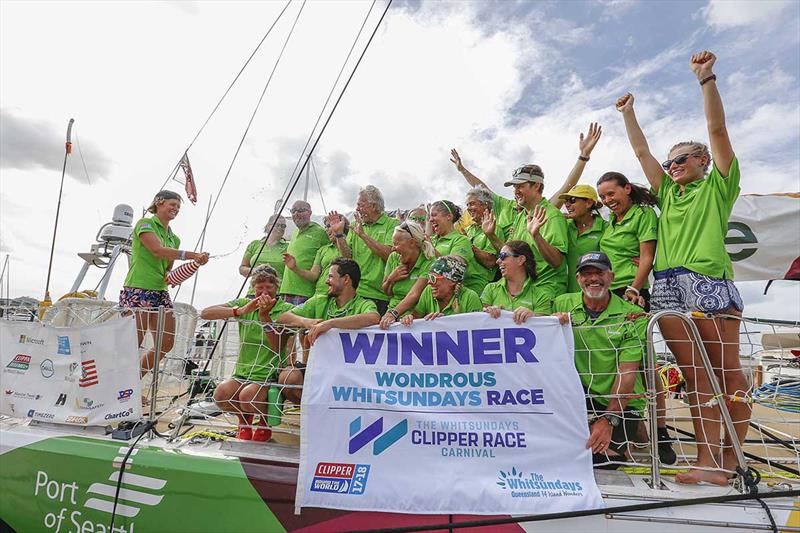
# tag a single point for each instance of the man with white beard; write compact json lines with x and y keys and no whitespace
{"x":610,"y":337}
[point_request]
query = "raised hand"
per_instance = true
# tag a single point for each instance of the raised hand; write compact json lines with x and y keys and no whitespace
{"x":537,"y":220}
{"x":289,"y":261}
{"x":336,"y":221}
{"x":587,"y":142}
{"x":456,"y":160}
{"x":358,"y":228}
{"x":489,"y":223}
{"x":625,"y":103}
{"x":702,"y":64}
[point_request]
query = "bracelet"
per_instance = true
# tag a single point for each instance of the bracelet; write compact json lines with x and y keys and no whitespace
{"x":708,"y":79}
{"x":394,"y":313}
{"x":584,"y":158}
{"x":235,"y":312}
{"x":181,"y":254}
{"x":338,"y":235}
{"x":632,"y":289}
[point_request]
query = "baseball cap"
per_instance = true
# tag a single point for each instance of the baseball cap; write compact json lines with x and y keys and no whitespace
{"x":594,"y":259}
{"x":526,"y":174}
{"x":580,"y":191}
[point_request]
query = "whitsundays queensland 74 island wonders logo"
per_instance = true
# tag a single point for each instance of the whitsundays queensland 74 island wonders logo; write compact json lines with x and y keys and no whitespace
{"x":535,"y":485}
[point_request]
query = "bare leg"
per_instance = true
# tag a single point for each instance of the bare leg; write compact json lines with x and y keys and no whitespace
{"x":227,"y":398}
{"x":167,"y":339}
{"x":291,"y":376}
{"x":704,"y":419}
{"x":721,"y":339}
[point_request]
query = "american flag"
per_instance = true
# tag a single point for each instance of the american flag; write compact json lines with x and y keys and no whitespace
{"x":88,"y":374}
{"x":191,"y":188}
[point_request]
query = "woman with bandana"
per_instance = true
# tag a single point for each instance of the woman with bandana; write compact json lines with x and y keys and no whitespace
{"x":445,"y":294}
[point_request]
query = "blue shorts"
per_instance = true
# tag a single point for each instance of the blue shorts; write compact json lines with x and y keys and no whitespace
{"x":680,"y":289}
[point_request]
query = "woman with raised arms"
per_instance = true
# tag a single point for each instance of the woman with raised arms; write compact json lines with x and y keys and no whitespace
{"x":693,"y":272}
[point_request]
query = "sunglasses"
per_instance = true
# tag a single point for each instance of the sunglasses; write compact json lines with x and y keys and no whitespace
{"x":572,"y":199}
{"x":681,"y":159}
{"x":502,"y":256}
{"x":405,"y":227}
{"x":420,"y":220}
{"x":523,"y":170}
{"x":433,"y":278}
{"x":299,"y":210}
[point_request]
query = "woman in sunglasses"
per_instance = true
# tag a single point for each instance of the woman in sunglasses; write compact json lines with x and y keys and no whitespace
{"x":406,"y":273}
{"x":271,"y":251}
{"x":516,"y":290}
{"x":693,"y":271}
{"x":585,"y":226}
{"x":629,"y":239}
{"x":445,"y":293}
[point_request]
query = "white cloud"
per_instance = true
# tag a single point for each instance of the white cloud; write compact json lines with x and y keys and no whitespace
{"x":725,"y":14}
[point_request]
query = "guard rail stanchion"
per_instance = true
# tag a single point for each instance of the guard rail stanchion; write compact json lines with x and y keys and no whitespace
{"x":156,"y":360}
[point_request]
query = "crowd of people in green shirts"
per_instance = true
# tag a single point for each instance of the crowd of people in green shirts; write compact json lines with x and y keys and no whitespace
{"x":525,"y":256}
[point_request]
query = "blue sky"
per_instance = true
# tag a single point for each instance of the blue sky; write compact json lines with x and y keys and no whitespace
{"x":506,"y":83}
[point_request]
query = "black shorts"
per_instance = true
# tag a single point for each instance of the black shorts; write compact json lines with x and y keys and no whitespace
{"x":382,"y":305}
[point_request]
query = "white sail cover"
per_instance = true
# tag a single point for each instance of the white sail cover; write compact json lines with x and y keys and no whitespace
{"x":764,"y":236}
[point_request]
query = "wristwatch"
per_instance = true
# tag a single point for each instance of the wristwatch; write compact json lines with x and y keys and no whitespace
{"x":613,"y":419}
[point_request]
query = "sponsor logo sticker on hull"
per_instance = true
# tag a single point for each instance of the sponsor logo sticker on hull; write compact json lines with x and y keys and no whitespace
{"x":62,"y":399}
{"x":63,"y":345}
{"x":340,"y":478}
{"x":24,"y":339}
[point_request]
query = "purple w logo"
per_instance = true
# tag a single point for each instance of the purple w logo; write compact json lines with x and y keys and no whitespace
{"x":359,"y":438}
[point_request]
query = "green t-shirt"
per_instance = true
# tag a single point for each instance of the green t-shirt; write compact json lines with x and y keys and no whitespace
{"x":554,"y":231}
{"x":371,"y":265}
{"x":303,"y":247}
{"x":257,"y":361}
{"x":468,"y":302}
{"x":692,"y":228}
{"x":324,"y":256}
{"x":324,"y":307}
{"x":400,"y":289}
{"x":271,"y":255}
{"x":601,"y":344}
{"x":588,"y":241}
{"x":478,"y":276}
{"x":531,"y":297}
{"x":620,"y":242}
{"x":147,"y":271}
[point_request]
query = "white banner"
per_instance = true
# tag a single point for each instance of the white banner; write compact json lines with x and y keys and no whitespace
{"x":462,"y":414}
{"x":85,"y":375}
{"x":763,"y":236}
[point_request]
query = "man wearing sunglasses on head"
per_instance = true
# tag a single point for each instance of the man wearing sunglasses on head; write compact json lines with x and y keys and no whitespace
{"x":307,"y":239}
{"x":531,"y":218}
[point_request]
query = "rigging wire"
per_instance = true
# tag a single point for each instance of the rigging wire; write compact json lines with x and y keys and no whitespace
{"x":83,"y":161}
{"x":296,"y":179}
{"x":246,"y":131}
{"x":319,"y":187}
{"x":330,"y":93}
{"x":241,"y":70}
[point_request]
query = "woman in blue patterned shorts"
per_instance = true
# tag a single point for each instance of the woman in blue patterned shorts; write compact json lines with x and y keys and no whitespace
{"x":693,"y":272}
